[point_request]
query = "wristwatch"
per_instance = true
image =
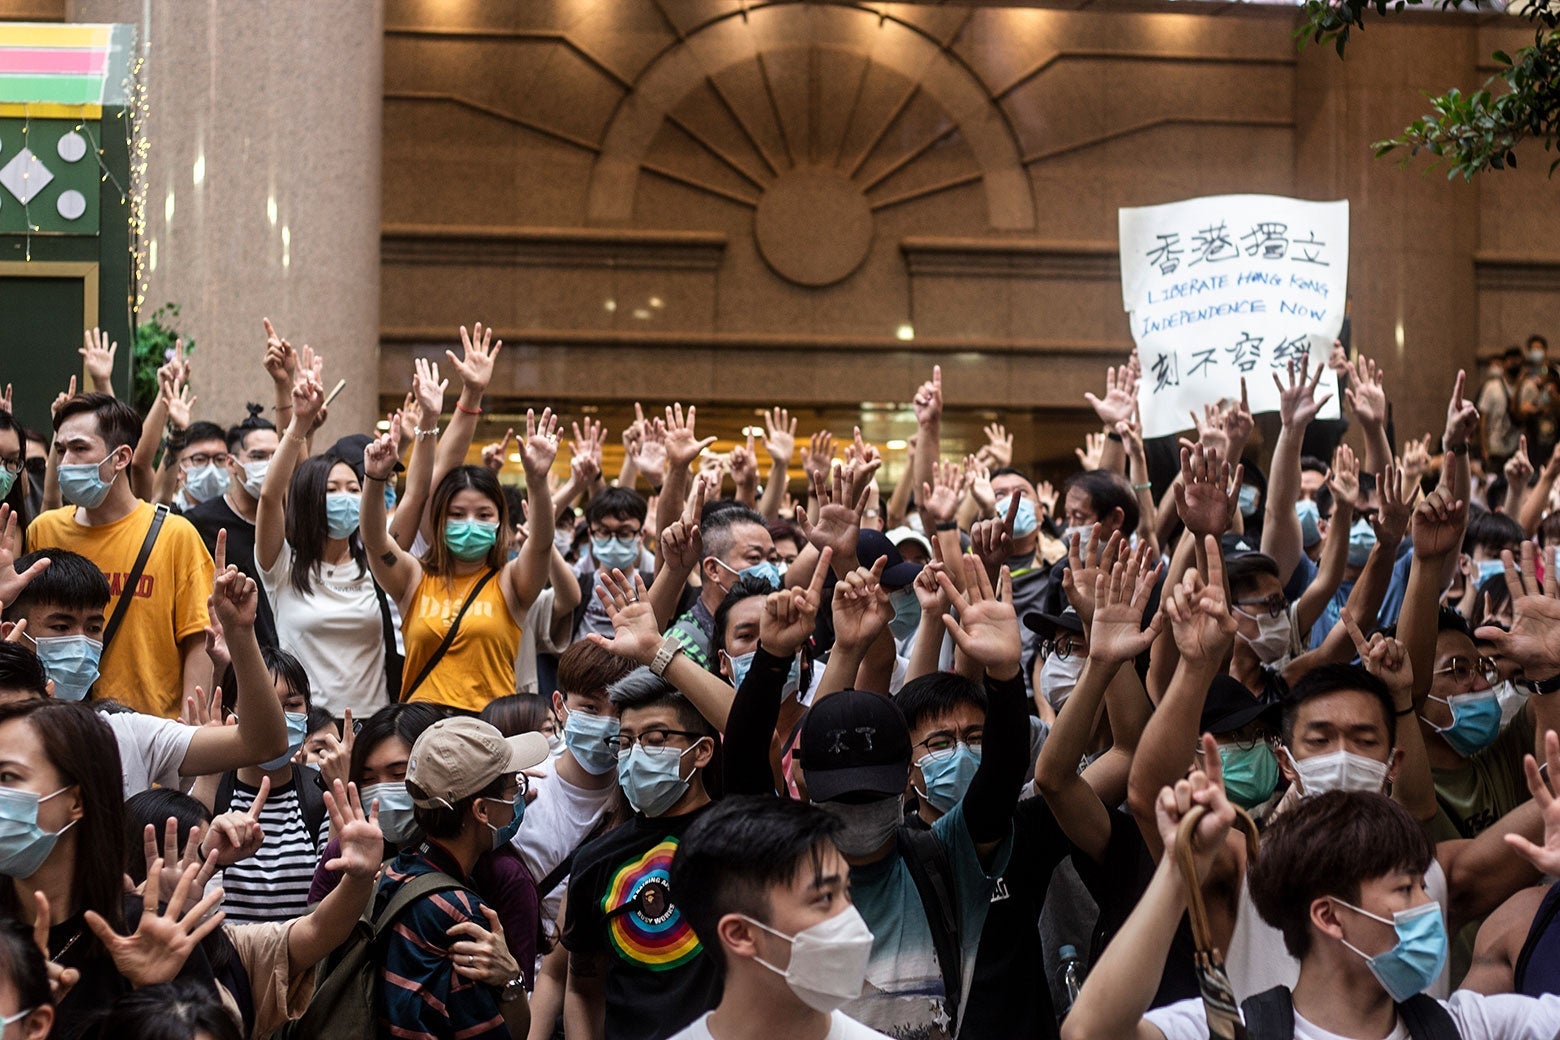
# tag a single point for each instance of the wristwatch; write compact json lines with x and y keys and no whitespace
{"x":1543,"y":686}
{"x":670,"y":648}
{"x":512,"y":990}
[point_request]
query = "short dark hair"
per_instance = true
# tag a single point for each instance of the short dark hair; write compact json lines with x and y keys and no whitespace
{"x":516,"y":713}
{"x":256,"y":420}
{"x":937,"y":694}
{"x":407,"y":721}
{"x":1107,"y":492}
{"x":117,"y":423}
{"x":642,"y":688}
{"x":1330,"y":678}
{"x":1449,"y":620}
{"x":1328,"y":846}
{"x":743,"y":589}
{"x":281,"y":665}
{"x":1537,"y":338}
{"x":438,"y":822}
{"x":588,"y":668}
{"x":1242,"y":571}
{"x":179,"y":1010}
{"x":319,"y":718}
{"x":1492,"y":532}
{"x":70,"y":581}
{"x":1510,"y":352}
{"x":202,"y":430}
{"x":1312,"y":464}
{"x":786,"y":531}
{"x":740,"y":849}
{"x":619,"y":504}
{"x":21,"y":963}
{"x":22,"y":670}
{"x":715,"y":527}
{"x":155,"y":806}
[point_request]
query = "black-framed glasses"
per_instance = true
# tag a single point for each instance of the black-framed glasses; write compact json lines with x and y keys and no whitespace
{"x":12,"y":466}
{"x":1062,"y":649}
{"x":216,"y":458}
{"x":650,"y":740}
{"x":1273,"y":605}
{"x":621,"y":537}
{"x":1462,"y":670}
{"x":947,"y":742}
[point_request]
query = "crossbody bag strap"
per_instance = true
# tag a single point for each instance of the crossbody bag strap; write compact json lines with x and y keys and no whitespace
{"x":127,"y":593}
{"x":449,"y":636}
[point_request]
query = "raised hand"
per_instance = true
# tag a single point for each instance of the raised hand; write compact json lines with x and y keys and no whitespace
{"x":234,"y":595}
{"x":1204,"y":788}
{"x":12,"y":583}
{"x":991,"y":541}
{"x":1535,"y":617}
{"x":941,"y":498}
{"x":1416,"y":458}
{"x":1297,"y":402}
{"x":281,"y":361}
{"x":840,"y":503}
{"x":683,"y":445}
{"x":496,"y":454}
{"x":649,"y":453}
{"x":1366,"y":396}
{"x":1438,"y":524}
{"x":1344,"y":480}
{"x":1462,"y":417}
{"x":635,"y":634}
{"x":780,"y":436}
{"x":1120,"y":597}
{"x":1200,"y":618}
{"x":540,"y":447}
{"x":1545,"y":857}
{"x":237,"y":835}
{"x":1120,"y":397}
{"x":428,"y":389}
{"x":1519,"y":468}
{"x":790,"y":614}
{"x":1210,"y":431}
{"x":410,"y":418}
{"x":818,"y":456}
{"x":861,"y":610}
{"x":180,"y":402}
{"x":98,"y":354}
{"x":162,"y":942}
{"x":987,"y":627}
{"x":1047,"y":494}
{"x":61,"y":398}
{"x":1092,"y":452}
{"x":1396,"y":508}
{"x":61,"y":980}
{"x":1238,"y":422}
{"x":928,"y":591}
{"x":481,"y":953}
{"x":1384,"y":657}
{"x":928,"y":400}
{"x":382,"y":453}
{"x":475,"y":366}
{"x":1085,"y":564}
{"x":998,"y":451}
{"x":981,"y":491}
{"x":206,"y":866}
{"x":362,"y":842}
{"x":335,"y":761}
{"x":308,"y":396}
{"x":744,"y":465}
{"x":588,"y":444}
{"x":1208,"y":494}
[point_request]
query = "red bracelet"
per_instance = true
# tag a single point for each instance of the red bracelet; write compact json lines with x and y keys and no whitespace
{"x":462,"y":408}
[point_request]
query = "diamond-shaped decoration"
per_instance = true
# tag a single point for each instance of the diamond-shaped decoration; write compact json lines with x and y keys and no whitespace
{"x":25,"y":176}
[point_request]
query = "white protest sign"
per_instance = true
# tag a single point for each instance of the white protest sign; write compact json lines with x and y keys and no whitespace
{"x":1231,"y":286}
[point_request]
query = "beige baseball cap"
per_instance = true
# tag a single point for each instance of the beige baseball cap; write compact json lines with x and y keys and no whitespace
{"x":456,"y":758}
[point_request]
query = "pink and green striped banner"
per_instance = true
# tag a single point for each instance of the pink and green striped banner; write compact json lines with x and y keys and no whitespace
{"x":42,"y":64}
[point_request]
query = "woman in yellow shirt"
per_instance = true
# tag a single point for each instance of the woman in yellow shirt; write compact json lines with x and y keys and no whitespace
{"x":468,"y":561}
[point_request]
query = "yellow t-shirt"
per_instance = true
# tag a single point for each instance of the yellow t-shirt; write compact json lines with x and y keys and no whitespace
{"x":480,"y":663}
{"x":142,"y":668}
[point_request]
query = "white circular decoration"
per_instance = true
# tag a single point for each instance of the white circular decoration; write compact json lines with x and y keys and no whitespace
{"x":72,"y":204}
{"x":72,"y":147}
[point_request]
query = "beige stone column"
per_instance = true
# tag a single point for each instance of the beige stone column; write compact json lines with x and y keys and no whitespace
{"x":263,"y":186}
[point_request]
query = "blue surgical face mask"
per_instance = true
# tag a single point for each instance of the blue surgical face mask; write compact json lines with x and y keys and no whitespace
{"x":389,"y":496}
{"x":1416,"y":959}
{"x":609,"y":553}
{"x":1362,"y":539}
{"x":907,"y":612}
{"x":1248,"y":500}
{"x":1475,"y":721}
{"x":82,"y":483}
{"x":742,"y":662}
{"x":1024,"y":521}
{"x":341,"y":514}
{"x":765,"y":571}
{"x":72,"y":662}
{"x":396,"y":817}
{"x":1250,"y":774}
{"x":1310,"y":521}
{"x":585,"y":735}
{"x":23,"y":844}
{"x":504,"y":835}
{"x":206,"y":482}
{"x":1488,"y":569}
{"x":947,"y":775}
{"x":297,"y":732}
{"x":652,"y":777}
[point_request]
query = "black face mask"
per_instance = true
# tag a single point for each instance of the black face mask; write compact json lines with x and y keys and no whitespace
{"x":1513,"y":371}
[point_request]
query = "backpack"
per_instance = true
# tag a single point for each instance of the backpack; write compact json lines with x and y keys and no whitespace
{"x":1270,"y":1015}
{"x":311,"y":799}
{"x":343,"y":1004}
{"x":932,"y":872}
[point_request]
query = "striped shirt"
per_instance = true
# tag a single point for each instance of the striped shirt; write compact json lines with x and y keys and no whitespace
{"x":420,"y":996}
{"x":272,"y":885}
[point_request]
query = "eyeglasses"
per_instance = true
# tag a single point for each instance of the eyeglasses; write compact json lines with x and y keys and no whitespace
{"x":1062,"y":649}
{"x":200,"y":459}
{"x":12,"y":466}
{"x":621,"y":537}
{"x":650,"y":739}
{"x":1273,"y":606}
{"x":947,"y":742}
{"x":258,"y":455}
{"x":1463,"y":670}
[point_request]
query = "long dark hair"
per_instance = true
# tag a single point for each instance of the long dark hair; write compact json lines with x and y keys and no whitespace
{"x":407,"y":721}
{"x":82,"y":749}
{"x":438,"y":560}
{"x":17,"y":499}
{"x":177,"y":1010}
{"x":306,"y":531}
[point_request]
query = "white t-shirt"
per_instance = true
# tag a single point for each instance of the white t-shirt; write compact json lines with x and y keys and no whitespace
{"x":840,"y":1028}
{"x":151,"y":749}
{"x":540,"y":633}
{"x":336,"y":632}
{"x":554,"y":825}
{"x":1258,"y":961}
{"x":1508,"y":1016}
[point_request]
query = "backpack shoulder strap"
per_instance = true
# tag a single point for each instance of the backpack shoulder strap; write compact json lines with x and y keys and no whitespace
{"x":449,"y":636}
{"x":393,"y":660}
{"x":1426,"y":1019}
{"x":1269,"y":1015}
{"x":126,"y":594}
{"x":223,"y":800}
{"x":311,"y":799}
{"x":928,"y":864}
{"x":419,"y":887}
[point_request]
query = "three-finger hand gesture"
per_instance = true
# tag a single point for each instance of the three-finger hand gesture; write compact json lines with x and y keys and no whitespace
{"x":987,"y":627}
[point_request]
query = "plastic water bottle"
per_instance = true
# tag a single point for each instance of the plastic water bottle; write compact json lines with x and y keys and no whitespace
{"x":1070,"y":974}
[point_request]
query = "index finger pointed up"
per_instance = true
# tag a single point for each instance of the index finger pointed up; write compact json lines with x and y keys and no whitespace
{"x":1012,"y":512}
{"x":260,"y":797}
{"x":955,"y":597}
{"x":1360,"y":642}
{"x":820,"y":574}
{"x":1213,"y":765}
{"x":219,"y":558}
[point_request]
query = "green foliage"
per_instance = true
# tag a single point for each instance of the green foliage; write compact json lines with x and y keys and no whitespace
{"x":1469,"y":132}
{"x":154,"y":346}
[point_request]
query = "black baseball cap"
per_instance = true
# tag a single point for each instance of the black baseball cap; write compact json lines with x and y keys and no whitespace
{"x":1230,"y":706}
{"x":855,"y":742}
{"x":872,"y":545}
{"x":1047,"y":624}
{"x":349,"y":449}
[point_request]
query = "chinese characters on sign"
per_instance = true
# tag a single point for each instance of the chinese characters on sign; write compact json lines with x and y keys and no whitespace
{"x":1227,"y":287}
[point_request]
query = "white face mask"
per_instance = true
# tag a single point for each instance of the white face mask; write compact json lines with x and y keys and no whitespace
{"x":828,"y":961}
{"x":1273,"y":637}
{"x":1339,"y":771}
{"x":1058,"y":677}
{"x":254,"y":476}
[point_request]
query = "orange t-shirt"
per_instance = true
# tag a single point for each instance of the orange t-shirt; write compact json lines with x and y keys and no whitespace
{"x":480,"y":663}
